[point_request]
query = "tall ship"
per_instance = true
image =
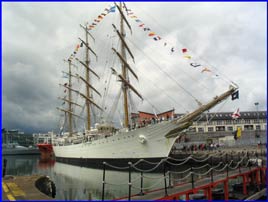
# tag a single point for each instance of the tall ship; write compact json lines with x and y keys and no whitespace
{"x":103,"y":141}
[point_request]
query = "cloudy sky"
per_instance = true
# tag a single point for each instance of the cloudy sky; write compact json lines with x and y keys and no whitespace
{"x":228,"y":38}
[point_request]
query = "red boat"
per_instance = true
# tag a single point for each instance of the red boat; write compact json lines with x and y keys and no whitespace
{"x":46,"y":150}
{"x":44,"y":143}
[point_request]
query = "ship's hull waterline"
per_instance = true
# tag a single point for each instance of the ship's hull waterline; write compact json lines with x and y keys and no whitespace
{"x":147,"y":143}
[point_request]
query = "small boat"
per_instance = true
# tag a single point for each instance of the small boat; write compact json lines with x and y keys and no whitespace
{"x":16,"y":149}
{"x":44,"y":144}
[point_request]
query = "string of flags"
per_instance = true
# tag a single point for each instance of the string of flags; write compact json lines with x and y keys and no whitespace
{"x":100,"y":17}
{"x":184,"y":51}
{"x":91,"y":26}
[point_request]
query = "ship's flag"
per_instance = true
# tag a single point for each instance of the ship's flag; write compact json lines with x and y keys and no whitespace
{"x":81,"y":45}
{"x":235,"y":95}
{"x":195,"y":64}
{"x":187,"y":57}
{"x":103,"y":14}
{"x":146,"y":29}
{"x":236,"y":114}
{"x":184,"y":50}
{"x":137,"y":20}
{"x":65,"y":84}
{"x":151,"y":34}
{"x":237,"y":133}
{"x":205,"y":70}
{"x":157,"y":38}
{"x":141,"y":25}
{"x":172,"y":49}
{"x":112,"y":9}
{"x":133,"y":16}
{"x":94,"y":24}
{"x":95,"y":20}
{"x":100,"y":17}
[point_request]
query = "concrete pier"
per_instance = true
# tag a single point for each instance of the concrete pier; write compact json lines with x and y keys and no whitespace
{"x":22,"y":188}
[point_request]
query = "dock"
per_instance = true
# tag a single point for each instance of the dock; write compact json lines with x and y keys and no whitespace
{"x":233,"y":178}
{"x":22,"y":188}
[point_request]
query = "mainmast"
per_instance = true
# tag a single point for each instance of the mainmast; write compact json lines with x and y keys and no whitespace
{"x":88,"y":95}
{"x":87,"y":80}
{"x":70,"y":99}
{"x":124,"y":72}
{"x":124,"y":76}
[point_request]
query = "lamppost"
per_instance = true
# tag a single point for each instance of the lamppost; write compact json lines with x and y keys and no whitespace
{"x":257,"y":134}
{"x":258,"y":120}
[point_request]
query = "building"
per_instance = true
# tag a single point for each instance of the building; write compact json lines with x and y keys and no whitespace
{"x":210,"y":122}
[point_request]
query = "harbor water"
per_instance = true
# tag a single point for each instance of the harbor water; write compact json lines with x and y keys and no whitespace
{"x":80,"y":183}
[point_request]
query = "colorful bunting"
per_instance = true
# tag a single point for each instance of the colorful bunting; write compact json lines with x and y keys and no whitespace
{"x":187,"y":57}
{"x":184,"y":50}
{"x":112,"y":9}
{"x":157,"y":38}
{"x":151,"y":34}
{"x":195,"y":64}
{"x":141,"y":25}
{"x":205,"y":70}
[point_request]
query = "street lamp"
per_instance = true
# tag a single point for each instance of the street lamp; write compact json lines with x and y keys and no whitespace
{"x":258,"y":120}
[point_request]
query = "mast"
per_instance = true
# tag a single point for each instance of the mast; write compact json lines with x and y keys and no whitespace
{"x":124,"y":72}
{"x":70,"y":103}
{"x":88,"y":81}
{"x":88,"y":71}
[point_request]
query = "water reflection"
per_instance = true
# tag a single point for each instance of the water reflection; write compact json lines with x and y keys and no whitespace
{"x":86,"y":183}
{"x":80,"y":183}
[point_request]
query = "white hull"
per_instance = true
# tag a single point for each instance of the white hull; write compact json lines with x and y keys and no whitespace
{"x":124,"y":145}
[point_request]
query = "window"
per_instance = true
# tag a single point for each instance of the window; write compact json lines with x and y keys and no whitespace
{"x":219,"y":122}
{"x":258,"y":127}
{"x":247,"y":121}
{"x":200,"y":129}
{"x":230,"y":128}
{"x":210,"y":129}
{"x":192,"y":129}
{"x":248,"y":127}
{"x":220,"y":128}
{"x":228,"y":121}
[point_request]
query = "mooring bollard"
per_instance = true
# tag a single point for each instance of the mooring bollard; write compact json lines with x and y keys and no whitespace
{"x":103,"y":181}
{"x":129,"y":180}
